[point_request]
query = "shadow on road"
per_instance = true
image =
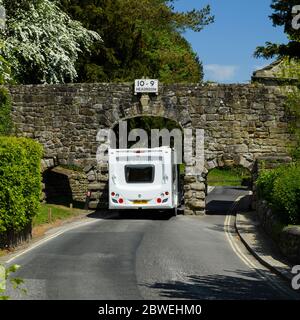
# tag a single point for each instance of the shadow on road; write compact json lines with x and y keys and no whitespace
{"x":225,"y":207}
{"x":241,"y":285}
{"x":131,"y":215}
{"x":218,"y":207}
{"x":217,"y":204}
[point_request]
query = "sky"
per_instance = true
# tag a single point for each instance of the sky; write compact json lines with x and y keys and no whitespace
{"x":226,"y":47}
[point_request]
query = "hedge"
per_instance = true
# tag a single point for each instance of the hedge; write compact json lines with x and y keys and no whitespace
{"x":265,"y":183}
{"x":20,"y":186}
{"x":281,"y":188}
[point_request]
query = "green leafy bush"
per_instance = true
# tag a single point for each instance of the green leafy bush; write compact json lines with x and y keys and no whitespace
{"x":265,"y":183}
{"x":286,"y":194}
{"x":281,"y":188}
{"x":5,"y":112}
{"x":5,"y":278}
{"x":20,"y":184}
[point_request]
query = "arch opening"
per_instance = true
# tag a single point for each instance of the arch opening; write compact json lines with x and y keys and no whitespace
{"x":149,"y":124}
{"x":153,"y":132}
{"x":65,"y":186}
{"x":225,"y":185}
{"x":235,"y":176}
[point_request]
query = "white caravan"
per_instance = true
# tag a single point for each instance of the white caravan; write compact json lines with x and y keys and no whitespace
{"x":144,"y":179}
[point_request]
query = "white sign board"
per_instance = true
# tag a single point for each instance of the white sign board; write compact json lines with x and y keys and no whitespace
{"x":146,"y":86}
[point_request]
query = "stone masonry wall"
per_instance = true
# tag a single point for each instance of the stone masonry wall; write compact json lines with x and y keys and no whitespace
{"x":241,"y":123}
{"x":288,"y":241}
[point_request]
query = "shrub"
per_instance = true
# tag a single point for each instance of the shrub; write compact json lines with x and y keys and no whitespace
{"x":5,"y":278}
{"x":20,"y":184}
{"x":286,"y":194}
{"x":281,"y":188}
{"x":265,"y":183}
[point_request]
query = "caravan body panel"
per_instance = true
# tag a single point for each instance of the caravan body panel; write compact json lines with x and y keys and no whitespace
{"x":142,"y":179}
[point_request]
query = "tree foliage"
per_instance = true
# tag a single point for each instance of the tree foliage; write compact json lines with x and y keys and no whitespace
{"x":5,"y":68}
{"x":282,"y":16}
{"x":140,"y":38}
{"x":289,"y":54}
{"x":5,"y":112}
{"x":290,"y":69}
{"x":147,"y":123}
{"x":5,"y":278}
{"x":41,"y":42}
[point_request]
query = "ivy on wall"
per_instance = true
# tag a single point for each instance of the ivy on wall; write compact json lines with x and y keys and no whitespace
{"x":290,"y":69}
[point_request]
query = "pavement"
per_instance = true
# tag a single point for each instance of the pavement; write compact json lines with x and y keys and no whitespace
{"x":150,"y":255}
{"x":261,"y":246}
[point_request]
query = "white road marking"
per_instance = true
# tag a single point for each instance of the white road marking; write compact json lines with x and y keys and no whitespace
{"x":243,"y":257}
{"x":210,"y":189}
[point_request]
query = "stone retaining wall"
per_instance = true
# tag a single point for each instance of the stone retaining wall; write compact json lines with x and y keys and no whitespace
{"x":288,"y":241}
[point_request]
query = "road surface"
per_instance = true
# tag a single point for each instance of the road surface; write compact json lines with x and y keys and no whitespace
{"x":151,"y":256}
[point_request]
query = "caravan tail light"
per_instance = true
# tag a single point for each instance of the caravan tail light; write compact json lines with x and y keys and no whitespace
{"x":115,"y":195}
{"x":158,"y":200}
{"x":167,"y":193}
{"x":121,"y":201}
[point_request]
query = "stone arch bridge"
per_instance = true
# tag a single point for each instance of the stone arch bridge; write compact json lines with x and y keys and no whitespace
{"x":241,"y":123}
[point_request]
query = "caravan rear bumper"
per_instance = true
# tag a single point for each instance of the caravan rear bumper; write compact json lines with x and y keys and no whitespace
{"x":136,"y":207}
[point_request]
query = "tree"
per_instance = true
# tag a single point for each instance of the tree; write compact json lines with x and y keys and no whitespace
{"x":289,"y":55}
{"x":41,"y":42}
{"x":140,"y":38}
{"x":5,"y":70}
{"x":6,"y":124}
{"x":282,"y":16}
{"x":290,"y":68}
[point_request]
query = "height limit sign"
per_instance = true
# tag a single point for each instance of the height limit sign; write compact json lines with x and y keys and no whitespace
{"x":146,"y":86}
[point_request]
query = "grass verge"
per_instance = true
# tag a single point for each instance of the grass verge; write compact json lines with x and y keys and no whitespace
{"x":229,"y":177}
{"x":41,"y":223}
{"x":58,"y":212}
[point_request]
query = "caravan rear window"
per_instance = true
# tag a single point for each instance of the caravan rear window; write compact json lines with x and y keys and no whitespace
{"x":139,"y":173}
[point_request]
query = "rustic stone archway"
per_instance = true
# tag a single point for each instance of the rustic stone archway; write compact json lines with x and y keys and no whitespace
{"x":241,"y":123}
{"x":193,"y":187}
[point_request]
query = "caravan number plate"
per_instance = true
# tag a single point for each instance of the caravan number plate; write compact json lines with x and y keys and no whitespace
{"x":140,"y":201}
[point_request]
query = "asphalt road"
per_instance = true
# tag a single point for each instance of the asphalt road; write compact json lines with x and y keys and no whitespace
{"x":150,"y":256}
